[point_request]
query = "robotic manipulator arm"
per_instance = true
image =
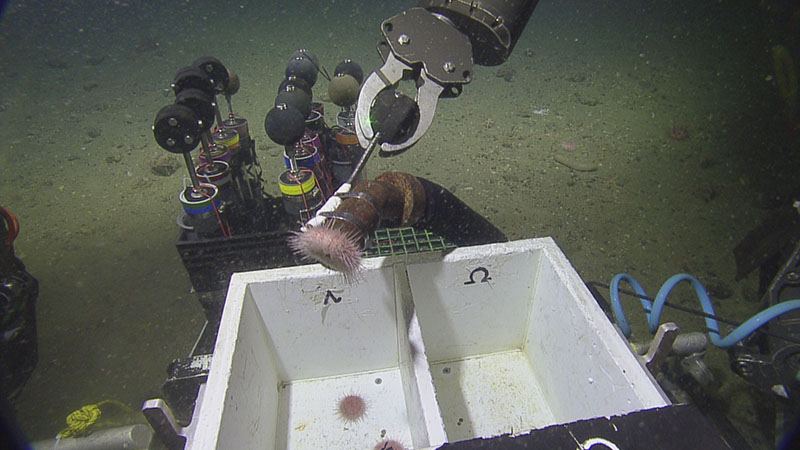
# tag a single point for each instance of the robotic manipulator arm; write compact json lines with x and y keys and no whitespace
{"x":435,"y":45}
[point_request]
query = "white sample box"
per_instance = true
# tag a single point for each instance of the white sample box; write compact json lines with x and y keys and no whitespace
{"x":483,"y":341}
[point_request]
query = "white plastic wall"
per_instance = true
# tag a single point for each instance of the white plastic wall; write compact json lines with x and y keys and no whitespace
{"x":425,"y":421}
{"x":584,"y":367}
{"x":321,"y":326}
{"x":477,"y":301}
{"x":239,"y":404}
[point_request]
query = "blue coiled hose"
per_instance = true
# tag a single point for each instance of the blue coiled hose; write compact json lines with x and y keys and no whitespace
{"x":653,"y":310}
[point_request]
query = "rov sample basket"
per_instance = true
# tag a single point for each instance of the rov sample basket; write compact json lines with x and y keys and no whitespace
{"x":487,"y":340}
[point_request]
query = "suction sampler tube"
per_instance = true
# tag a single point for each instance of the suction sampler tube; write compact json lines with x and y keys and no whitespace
{"x":338,"y":242}
{"x":337,"y":236}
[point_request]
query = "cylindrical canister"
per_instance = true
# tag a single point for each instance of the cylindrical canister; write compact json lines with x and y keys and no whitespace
{"x":217,"y":173}
{"x":344,"y":156}
{"x":216,"y":152}
{"x":201,"y":205}
{"x":227,"y":137}
{"x":240,"y":125}
{"x":245,"y":153}
{"x":316,"y":119}
{"x":308,"y":154}
{"x":301,"y":195}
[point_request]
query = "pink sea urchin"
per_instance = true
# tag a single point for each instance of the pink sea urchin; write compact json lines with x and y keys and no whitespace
{"x":389,"y":444}
{"x":352,"y":408}
{"x":331,"y":247}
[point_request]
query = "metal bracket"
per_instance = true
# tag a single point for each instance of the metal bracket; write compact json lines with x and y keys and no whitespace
{"x":661,"y":346}
{"x":180,"y":389}
{"x":166,"y":429}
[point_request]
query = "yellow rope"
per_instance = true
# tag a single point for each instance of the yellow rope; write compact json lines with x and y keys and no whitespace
{"x":80,"y":421}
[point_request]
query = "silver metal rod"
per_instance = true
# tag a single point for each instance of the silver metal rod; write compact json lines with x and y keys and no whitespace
{"x":363,"y":161}
{"x":187,"y":156}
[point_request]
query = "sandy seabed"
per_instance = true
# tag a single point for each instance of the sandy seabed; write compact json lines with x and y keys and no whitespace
{"x":82,"y":83}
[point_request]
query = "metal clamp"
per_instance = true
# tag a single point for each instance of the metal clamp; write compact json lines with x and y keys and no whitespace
{"x":426,"y":48}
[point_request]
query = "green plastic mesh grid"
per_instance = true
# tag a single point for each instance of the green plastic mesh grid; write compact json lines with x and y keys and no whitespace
{"x":404,"y":241}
